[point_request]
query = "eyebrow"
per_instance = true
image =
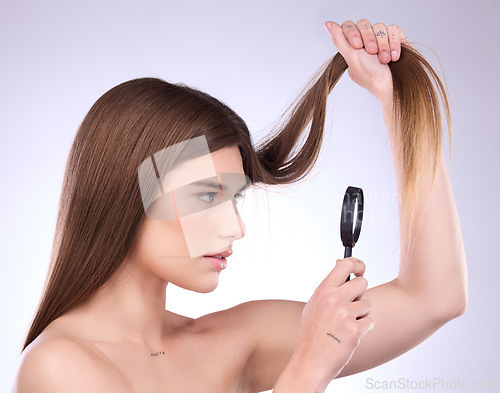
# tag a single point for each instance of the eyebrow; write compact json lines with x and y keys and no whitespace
{"x":215,"y":185}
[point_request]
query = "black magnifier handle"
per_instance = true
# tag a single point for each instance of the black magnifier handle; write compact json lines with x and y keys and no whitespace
{"x":350,"y":219}
{"x":347,"y":252}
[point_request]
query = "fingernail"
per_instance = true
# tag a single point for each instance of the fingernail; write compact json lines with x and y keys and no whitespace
{"x":394,"y":55}
{"x":385,"y":56}
{"x":327,"y":26}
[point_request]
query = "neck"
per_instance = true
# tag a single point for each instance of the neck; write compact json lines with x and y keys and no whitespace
{"x":130,"y":307}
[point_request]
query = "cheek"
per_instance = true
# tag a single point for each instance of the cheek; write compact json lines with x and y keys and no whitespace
{"x":198,"y":231}
{"x":162,"y":238}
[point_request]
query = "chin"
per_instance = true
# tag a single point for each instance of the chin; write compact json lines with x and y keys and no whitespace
{"x":201,"y":286}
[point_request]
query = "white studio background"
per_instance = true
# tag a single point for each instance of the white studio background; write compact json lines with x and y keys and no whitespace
{"x":58,"y":57}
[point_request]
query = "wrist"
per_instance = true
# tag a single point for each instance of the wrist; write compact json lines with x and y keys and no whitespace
{"x":385,"y":96}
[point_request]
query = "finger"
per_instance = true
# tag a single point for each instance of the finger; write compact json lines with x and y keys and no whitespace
{"x":360,"y":309}
{"x":369,"y":41}
{"x":384,"y":49}
{"x":360,"y":266}
{"x":342,"y":269}
{"x":394,"y":33}
{"x":354,"y":288}
{"x":338,"y":38}
{"x":352,"y":34}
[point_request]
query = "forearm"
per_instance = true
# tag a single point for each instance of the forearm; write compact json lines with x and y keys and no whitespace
{"x":435,"y":270}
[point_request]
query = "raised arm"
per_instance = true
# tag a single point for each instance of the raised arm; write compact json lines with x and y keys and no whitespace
{"x":431,"y":286}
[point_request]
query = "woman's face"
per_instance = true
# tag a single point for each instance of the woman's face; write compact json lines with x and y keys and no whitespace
{"x":199,"y":197}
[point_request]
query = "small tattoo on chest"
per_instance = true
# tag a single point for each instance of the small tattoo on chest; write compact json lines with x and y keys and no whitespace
{"x":159,"y":353}
{"x":335,"y":338}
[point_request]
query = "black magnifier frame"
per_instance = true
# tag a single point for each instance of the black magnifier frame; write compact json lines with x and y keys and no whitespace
{"x":351,"y":218}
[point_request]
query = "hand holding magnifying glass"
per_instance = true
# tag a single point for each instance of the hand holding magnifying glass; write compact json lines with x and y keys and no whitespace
{"x":351,"y":219}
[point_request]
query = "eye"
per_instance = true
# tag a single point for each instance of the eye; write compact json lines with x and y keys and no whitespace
{"x":207,"y":196}
{"x":239,"y":197}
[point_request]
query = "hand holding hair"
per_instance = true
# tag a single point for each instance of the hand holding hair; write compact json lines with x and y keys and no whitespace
{"x":367,"y":51}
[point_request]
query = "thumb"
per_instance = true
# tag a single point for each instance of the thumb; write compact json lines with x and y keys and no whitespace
{"x":338,"y":38}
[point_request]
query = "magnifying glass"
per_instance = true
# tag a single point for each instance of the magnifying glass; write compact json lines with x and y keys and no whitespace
{"x":351,"y":219}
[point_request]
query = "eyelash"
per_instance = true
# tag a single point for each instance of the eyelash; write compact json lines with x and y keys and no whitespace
{"x":237,"y":197}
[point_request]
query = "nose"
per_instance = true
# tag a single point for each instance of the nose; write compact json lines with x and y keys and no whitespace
{"x":243,"y":229}
{"x":231,"y":225}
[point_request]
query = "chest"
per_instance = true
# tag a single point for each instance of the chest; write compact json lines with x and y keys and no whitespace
{"x":200,"y":363}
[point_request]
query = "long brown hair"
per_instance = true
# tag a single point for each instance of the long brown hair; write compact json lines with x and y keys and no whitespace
{"x":100,"y":211}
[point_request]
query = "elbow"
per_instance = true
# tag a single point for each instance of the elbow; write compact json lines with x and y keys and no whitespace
{"x":451,"y":298}
{"x":458,"y":309}
{"x":453,"y":308}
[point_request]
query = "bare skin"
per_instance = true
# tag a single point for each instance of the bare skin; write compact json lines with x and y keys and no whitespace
{"x":122,"y":339}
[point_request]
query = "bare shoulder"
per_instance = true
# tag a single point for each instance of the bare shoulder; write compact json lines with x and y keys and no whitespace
{"x":54,"y":363}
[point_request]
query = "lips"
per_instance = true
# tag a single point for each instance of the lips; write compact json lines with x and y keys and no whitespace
{"x":223,"y":254}
{"x":218,"y":260}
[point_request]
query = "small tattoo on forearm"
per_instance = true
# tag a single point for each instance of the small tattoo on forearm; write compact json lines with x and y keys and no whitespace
{"x":381,"y":33}
{"x":335,"y":338}
{"x":159,"y":353}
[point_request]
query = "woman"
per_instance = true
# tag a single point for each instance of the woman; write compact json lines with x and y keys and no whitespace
{"x":128,"y":225}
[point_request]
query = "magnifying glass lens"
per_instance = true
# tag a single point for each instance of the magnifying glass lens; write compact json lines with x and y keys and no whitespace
{"x":351,"y":219}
